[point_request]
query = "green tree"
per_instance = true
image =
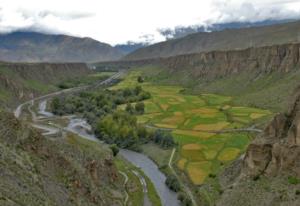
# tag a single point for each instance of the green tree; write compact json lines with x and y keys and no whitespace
{"x":115,"y":149}
{"x":56,"y":106}
{"x":140,"y":79}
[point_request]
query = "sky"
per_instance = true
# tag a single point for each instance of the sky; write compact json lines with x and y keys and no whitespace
{"x":118,"y":21}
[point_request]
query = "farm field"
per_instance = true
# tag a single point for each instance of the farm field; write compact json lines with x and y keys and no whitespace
{"x":195,"y":122}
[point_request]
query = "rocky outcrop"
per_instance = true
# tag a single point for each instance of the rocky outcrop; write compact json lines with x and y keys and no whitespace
{"x":277,"y":150}
{"x":211,"y":65}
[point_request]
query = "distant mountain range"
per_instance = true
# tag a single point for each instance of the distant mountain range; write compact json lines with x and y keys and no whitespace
{"x":180,"y":31}
{"x":38,"y":47}
{"x":226,"y":39}
{"x":26,"y":46}
{"x":130,"y":46}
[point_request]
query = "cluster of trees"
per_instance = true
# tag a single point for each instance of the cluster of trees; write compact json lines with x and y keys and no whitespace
{"x":122,"y":129}
{"x":95,"y":105}
{"x":173,"y":183}
{"x":163,"y":138}
{"x":139,"y":108}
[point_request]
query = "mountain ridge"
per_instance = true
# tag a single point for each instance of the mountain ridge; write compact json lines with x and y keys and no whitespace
{"x":39,"y":47}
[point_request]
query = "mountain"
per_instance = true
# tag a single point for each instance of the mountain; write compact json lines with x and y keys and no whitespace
{"x":230,"y":39}
{"x":38,"y":47}
{"x":130,"y":47}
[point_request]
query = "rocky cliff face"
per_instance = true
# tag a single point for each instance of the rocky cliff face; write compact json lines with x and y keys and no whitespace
{"x":216,"y":64}
{"x":21,"y":81}
{"x":277,"y":150}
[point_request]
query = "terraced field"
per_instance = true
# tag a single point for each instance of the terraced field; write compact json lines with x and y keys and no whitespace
{"x":195,"y":122}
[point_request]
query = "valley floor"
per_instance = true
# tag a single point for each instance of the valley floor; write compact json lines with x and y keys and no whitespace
{"x":209,"y":129}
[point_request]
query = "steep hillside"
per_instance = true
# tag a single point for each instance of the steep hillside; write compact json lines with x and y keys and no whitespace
{"x":21,"y":81}
{"x":37,"y":171}
{"x":269,"y":173}
{"x":230,"y":39}
{"x":37,"y":47}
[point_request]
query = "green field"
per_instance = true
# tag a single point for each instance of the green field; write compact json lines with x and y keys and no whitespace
{"x":195,"y":122}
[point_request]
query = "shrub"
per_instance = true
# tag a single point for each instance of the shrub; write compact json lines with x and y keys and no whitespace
{"x":184,"y":199}
{"x":293,"y":180}
{"x":212,"y":175}
{"x":115,"y":150}
{"x":173,"y":183}
{"x":140,"y":107}
{"x":140,"y":79}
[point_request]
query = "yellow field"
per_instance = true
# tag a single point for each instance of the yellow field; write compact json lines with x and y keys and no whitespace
{"x":228,"y":154}
{"x":192,"y":147}
{"x":211,"y":127}
{"x":198,"y":171}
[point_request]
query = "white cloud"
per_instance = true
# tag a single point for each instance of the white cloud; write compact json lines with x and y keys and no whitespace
{"x":116,"y":21}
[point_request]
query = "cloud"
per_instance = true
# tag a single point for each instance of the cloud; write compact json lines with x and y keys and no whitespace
{"x":117,"y":21}
{"x":252,"y":11}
